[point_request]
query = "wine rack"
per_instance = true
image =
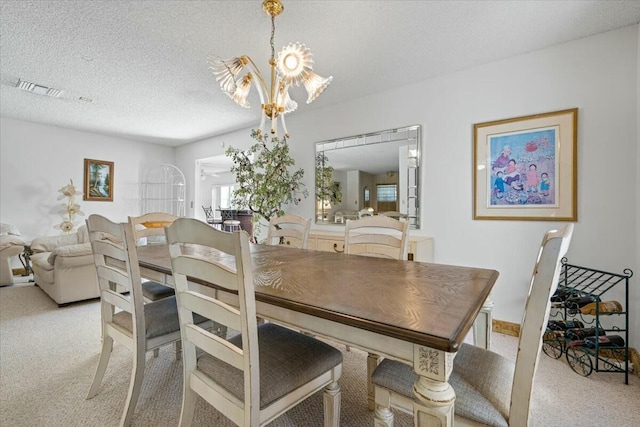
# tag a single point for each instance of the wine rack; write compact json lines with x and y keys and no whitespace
{"x":591,"y":330}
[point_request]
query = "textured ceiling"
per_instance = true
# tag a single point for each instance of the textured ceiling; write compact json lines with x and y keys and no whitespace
{"x":143,"y":63}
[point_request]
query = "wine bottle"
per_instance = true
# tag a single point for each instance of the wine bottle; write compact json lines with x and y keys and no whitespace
{"x":605,"y":307}
{"x":562,"y":325}
{"x":582,"y":333}
{"x":604,"y":341}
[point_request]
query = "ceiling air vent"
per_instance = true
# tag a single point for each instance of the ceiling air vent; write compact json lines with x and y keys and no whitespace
{"x":39,"y":89}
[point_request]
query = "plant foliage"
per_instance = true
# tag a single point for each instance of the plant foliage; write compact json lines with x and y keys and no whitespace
{"x":326,"y":187}
{"x":263,"y":175}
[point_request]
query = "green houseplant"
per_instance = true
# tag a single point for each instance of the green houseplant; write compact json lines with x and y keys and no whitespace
{"x":265,"y":177}
{"x":328,"y":191}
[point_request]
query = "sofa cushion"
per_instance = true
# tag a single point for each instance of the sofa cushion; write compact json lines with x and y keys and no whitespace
{"x":10,"y":240}
{"x":41,"y":261}
{"x":43,"y":271}
{"x":49,"y":243}
{"x":70,"y":251}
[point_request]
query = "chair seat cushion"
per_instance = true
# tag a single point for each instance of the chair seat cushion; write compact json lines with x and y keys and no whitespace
{"x":153,"y":291}
{"x":288,"y":360}
{"x":481,"y":379}
{"x":161,"y":318}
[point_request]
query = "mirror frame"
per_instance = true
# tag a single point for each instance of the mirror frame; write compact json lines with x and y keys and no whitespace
{"x":408,"y":168}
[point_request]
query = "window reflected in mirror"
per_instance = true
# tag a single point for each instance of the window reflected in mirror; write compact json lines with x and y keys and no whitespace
{"x":378,"y":172}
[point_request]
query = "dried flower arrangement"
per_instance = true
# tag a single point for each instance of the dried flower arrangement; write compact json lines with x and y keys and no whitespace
{"x":70,"y":209}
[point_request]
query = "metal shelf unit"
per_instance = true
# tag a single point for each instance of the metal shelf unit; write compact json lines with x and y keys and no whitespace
{"x":164,"y":190}
{"x":579,"y":302}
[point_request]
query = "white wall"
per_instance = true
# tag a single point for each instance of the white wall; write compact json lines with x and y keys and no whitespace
{"x":37,"y":160}
{"x":598,"y":75}
{"x":635,"y":319}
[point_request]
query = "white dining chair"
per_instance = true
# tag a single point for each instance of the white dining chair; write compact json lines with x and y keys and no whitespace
{"x":381,"y":237}
{"x":149,"y":229}
{"x":289,"y":230}
{"x":257,"y":375}
{"x":125,"y":317}
{"x":377,"y":236}
{"x":490,"y":389}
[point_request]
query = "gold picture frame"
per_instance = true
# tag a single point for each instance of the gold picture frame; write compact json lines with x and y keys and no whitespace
{"x":525,"y":168}
{"x":98,"y":180}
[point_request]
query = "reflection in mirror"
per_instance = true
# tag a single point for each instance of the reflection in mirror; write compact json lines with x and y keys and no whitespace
{"x":377,"y":172}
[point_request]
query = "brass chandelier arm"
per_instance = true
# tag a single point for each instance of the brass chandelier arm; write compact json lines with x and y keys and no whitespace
{"x":292,"y":67}
{"x":256,"y":71}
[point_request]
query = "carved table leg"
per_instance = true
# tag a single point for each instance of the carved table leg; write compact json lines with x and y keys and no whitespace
{"x":435,"y":396}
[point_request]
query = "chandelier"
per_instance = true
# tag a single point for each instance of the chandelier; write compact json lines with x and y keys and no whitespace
{"x":292,"y":66}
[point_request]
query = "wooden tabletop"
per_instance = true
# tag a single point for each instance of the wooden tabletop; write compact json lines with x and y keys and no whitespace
{"x":433,"y":305}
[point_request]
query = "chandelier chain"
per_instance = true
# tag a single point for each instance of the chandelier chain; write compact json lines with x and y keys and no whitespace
{"x":292,"y":67}
{"x":273,"y":35}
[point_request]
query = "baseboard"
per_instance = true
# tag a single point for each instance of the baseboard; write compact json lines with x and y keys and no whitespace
{"x":506,"y":328}
{"x":513,"y":329}
{"x":634,"y":357}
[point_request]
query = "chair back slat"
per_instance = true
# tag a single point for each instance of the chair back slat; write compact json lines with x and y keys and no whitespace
{"x":195,"y":249}
{"x":150,"y":225}
{"x":377,"y":236}
{"x":116,"y":299}
{"x":117,"y":266}
{"x":115,"y":275}
{"x":213,"y":344}
{"x":110,"y":249}
{"x":212,"y":308}
{"x":544,"y":282}
{"x":293,"y":229}
{"x":221,"y":274}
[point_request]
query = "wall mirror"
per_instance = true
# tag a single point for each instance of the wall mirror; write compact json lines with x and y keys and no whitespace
{"x":372,"y":174}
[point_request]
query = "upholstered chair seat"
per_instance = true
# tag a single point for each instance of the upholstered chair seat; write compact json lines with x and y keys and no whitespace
{"x":152,"y":291}
{"x":288,"y":360}
{"x":161,"y":318}
{"x":482,"y":395}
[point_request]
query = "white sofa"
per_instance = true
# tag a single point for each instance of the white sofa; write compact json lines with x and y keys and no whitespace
{"x":63,"y":267}
{"x":11,"y":244}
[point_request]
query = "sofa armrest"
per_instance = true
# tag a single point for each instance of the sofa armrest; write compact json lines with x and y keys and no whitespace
{"x":10,"y":240}
{"x":49,"y":243}
{"x":77,"y":250}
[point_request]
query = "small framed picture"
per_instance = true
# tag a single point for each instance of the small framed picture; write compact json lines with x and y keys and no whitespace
{"x":525,"y":168}
{"x":98,"y":180}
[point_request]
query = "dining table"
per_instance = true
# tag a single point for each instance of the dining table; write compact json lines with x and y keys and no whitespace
{"x":415,"y":312}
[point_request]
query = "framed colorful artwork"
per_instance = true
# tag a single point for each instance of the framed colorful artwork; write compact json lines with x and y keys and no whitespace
{"x":98,"y":180}
{"x":525,"y":168}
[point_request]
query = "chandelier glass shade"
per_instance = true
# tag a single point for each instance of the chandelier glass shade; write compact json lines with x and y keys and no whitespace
{"x":292,"y":66}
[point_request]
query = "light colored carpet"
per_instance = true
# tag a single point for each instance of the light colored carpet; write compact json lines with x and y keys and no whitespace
{"x":48,"y":357}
